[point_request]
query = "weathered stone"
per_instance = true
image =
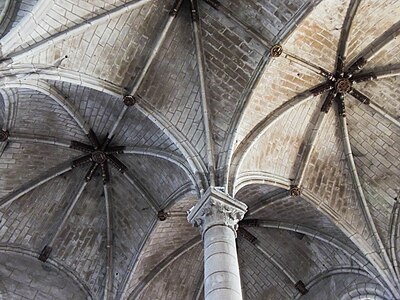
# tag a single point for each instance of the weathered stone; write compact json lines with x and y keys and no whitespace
{"x":64,"y":77}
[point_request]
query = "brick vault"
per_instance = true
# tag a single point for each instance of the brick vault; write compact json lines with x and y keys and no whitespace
{"x":117,"y":117}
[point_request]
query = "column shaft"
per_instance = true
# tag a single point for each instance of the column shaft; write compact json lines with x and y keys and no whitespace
{"x":221,"y":268}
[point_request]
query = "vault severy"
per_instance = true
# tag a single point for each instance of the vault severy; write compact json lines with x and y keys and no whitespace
{"x":240,"y":46}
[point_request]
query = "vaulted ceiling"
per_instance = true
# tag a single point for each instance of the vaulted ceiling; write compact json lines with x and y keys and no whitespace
{"x":117,"y":115}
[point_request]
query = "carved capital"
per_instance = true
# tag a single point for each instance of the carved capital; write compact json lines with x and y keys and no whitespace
{"x":216,"y":208}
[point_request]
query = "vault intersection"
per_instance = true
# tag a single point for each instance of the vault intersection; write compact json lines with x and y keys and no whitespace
{"x":99,"y":154}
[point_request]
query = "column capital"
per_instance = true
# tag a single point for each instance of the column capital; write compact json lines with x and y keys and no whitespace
{"x":216,"y":208}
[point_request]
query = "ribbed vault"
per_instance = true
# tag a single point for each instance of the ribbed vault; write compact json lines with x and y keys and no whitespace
{"x":116,"y":116}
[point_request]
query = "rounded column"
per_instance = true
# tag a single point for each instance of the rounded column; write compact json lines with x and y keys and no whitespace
{"x":217,"y":216}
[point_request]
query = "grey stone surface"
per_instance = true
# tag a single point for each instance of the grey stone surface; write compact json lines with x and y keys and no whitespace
{"x":20,"y":9}
{"x":172,"y":85}
{"x":132,"y":221}
{"x":164,"y":183}
{"x":23,"y":162}
{"x":231,"y":57}
{"x":143,"y":133}
{"x":98,"y":109}
{"x":23,"y":8}
{"x":331,"y":287}
{"x":260,"y":127}
{"x":24,"y":277}
{"x":39,"y":114}
{"x":303,"y":256}
{"x":293,"y":210}
{"x":2,"y":110}
{"x":38,"y":212}
{"x":261,"y":279}
{"x":178,"y":280}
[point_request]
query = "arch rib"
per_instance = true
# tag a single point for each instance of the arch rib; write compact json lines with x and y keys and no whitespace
{"x":365,"y":248}
{"x":252,"y":83}
{"x":133,"y":263}
{"x":108,"y":289}
{"x":70,"y":273}
{"x":344,"y":34}
{"x":15,"y":137}
{"x":366,"y":291}
{"x":8,"y":11}
{"x":183,"y":144}
{"x":382,"y":73}
{"x":373,"y":49}
{"x":304,"y":156}
{"x":266,"y":202}
{"x":60,"y":74}
{"x":385,"y":72}
{"x":53,"y":93}
{"x":261,"y":178}
{"x":205,"y":101}
{"x":33,"y":184}
{"x":26,"y":26}
{"x":10,"y":98}
{"x":67,"y":215}
{"x":10,"y":104}
{"x":337,"y":271}
{"x":200,"y":288}
{"x":3,"y":146}
{"x":382,"y":41}
{"x":168,"y":156}
{"x":393,"y":233}
{"x":259,"y":130}
{"x":159,"y":42}
{"x":175,"y":196}
{"x":313,"y":234}
{"x":332,"y":272}
{"x":163,"y":265}
{"x":74,"y":30}
{"x":133,"y":180}
{"x":269,"y":256}
{"x":28,"y":71}
{"x":384,"y":113}
{"x":361,"y":197}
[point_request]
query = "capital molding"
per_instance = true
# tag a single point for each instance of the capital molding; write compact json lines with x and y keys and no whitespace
{"x":216,"y":208}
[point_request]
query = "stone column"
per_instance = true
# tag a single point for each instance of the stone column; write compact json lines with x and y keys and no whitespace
{"x":217,"y":215}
